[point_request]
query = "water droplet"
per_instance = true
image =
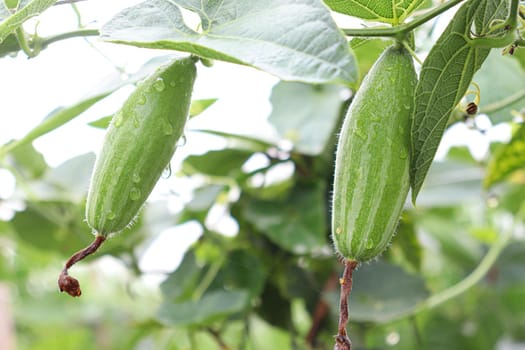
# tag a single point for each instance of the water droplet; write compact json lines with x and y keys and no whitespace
{"x":182,"y":141}
{"x":360,"y":134}
{"x":111,"y":215}
{"x":141,"y":100}
{"x":159,"y":84}
{"x":338,"y":230}
{"x":403,"y":154}
{"x":167,"y":172}
{"x":119,"y":119}
{"x":173,"y":83}
{"x":370,"y":244}
{"x":167,"y":128}
{"x":134,"y":194}
{"x":136,"y":178}
{"x":134,"y":116}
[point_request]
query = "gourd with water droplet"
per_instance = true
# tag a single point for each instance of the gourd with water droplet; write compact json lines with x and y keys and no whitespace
{"x":139,"y":145}
{"x":371,"y":179}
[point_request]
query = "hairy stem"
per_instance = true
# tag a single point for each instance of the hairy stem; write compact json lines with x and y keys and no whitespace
{"x":342,"y":341}
{"x":402,"y":30}
{"x":69,"y":284}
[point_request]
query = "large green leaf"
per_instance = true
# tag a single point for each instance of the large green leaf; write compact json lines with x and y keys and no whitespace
{"x":305,"y":114}
{"x":393,"y":11}
{"x":297,"y":224}
{"x":225,"y":162}
{"x":507,"y":159}
{"x":212,"y":307}
{"x":11,"y":19}
{"x":502,"y":84}
{"x":294,"y":40}
{"x":445,"y":76}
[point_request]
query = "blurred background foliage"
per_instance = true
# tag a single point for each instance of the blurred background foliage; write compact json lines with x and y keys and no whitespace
{"x":270,"y":279}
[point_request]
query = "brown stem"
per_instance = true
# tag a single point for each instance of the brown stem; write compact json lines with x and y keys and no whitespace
{"x":342,"y":341}
{"x":69,"y":284}
{"x":321,"y":310}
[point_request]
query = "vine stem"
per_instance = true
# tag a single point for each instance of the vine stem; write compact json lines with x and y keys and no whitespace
{"x":69,"y":284}
{"x":342,"y":341}
{"x":401,"y":30}
{"x":493,"y":107}
{"x":468,"y":282}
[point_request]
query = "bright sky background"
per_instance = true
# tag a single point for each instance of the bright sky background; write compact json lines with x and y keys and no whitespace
{"x":64,"y":72}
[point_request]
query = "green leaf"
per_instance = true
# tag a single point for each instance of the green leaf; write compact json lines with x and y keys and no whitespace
{"x":25,"y":10}
{"x":393,"y":12}
{"x":502,"y":89}
{"x":305,"y":114}
{"x":213,"y":307}
{"x":222,"y":163}
{"x":101,"y":123}
{"x":52,"y":226}
{"x":199,"y":106}
{"x":28,"y":162}
{"x":445,"y":76}
{"x":381,"y":292}
{"x":293,"y":40}
{"x":9,"y":46}
{"x":180,"y":283}
{"x":297,"y":224}
{"x":507,"y":159}
{"x":243,"y":271}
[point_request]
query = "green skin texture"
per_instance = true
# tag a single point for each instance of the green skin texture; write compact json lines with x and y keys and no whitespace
{"x":372,"y":162}
{"x":138,"y":146}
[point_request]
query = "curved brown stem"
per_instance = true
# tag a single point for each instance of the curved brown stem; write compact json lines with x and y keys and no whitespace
{"x":69,"y":284}
{"x":342,"y":341}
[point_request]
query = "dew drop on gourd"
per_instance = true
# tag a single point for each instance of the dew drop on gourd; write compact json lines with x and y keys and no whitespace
{"x":403,"y":154}
{"x":167,"y":128}
{"x":141,"y":100}
{"x":370,"y":244}
{"x":136,"y":178}
{"x":118,"y":120}
{"x":134,"y":194}
{"x":173,"y":83}
{"x":111,"y":215}
{"x":159,"y":84}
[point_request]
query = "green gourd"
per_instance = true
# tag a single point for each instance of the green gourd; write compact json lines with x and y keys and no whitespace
{"x":138,"y":146}
{"x":371,"y":180}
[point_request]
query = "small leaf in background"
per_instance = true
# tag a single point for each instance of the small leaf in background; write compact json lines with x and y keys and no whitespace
{"x":28,"y":162}
{"x":181,"y":283}
{"x":101,"y":123}
{"x":225,"y":162}
{"x":204,"y":197}
{"x":244,"y":270}
{"x":381,"y":292}
{"x":9,"y":46}
{"x":501,"y":80}
{"x":212,"y":307}
{"x":52,"y":226}
{"x":297,"y":224}
{"x":406,"y":243}
{"x":507,"y":159}
{"x":199,"y":106}
{"x":307,"y":47}
{"x":73,"y":176}
{"x":305,"y":114}
{"x":393,"y":12}
{"x":445,"y":77}
{"x":26,"y":9}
